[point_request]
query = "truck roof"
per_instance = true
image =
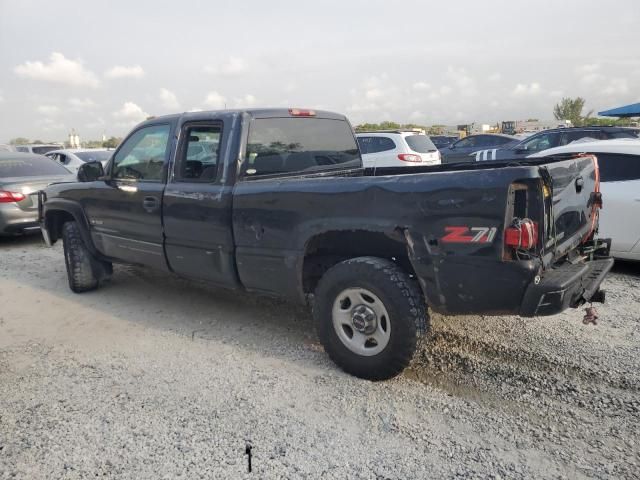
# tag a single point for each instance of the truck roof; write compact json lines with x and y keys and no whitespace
{"x":254,"y":112}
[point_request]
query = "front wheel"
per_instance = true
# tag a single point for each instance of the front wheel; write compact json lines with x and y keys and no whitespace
{"x":84,"y":271}
{"x":367,"y":312}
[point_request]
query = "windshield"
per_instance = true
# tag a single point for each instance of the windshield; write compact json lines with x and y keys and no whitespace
{"x":98,"y":156}
{"x":420,"y":143}
{"x":30,"y":167}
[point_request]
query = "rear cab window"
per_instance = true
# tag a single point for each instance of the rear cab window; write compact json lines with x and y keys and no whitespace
{"x":296,"y":145}
{"x":420,"y":143}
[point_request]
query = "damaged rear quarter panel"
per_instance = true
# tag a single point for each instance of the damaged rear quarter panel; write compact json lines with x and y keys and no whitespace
{"x":274,"y":219}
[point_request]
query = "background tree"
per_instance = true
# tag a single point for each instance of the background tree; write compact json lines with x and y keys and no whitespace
{"x":19,"y":141}
{"x":571,"y":109}
{"x":112,"y":142}
{"x":387,"y":125}
{"x":93,"y":144}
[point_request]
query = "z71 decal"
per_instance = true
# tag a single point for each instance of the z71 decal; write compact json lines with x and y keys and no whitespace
{"x":469,"y":235}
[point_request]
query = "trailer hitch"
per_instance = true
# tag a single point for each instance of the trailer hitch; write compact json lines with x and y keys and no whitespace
{"x":590,"y":316}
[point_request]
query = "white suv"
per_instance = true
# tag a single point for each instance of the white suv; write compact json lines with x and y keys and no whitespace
{"x":397,"y":148}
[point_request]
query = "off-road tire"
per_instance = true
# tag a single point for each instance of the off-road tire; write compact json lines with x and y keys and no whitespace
{"x":84,"y":271}
{"x":402,"y":300}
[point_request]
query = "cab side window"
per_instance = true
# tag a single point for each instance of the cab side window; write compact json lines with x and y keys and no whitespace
{"x":199,"y":153}
{"x":143,"y":154}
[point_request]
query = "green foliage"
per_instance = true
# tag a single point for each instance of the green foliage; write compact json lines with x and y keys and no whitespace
{"x":112,"y":142}
{"x":19,"y":141}
{"x":601,"y":122}
{"x":571,"y":109}
{"x":94,"y":144}
{"x":386,"y":125}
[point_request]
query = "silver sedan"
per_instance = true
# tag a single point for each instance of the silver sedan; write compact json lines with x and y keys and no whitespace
{"x":21,"y":176}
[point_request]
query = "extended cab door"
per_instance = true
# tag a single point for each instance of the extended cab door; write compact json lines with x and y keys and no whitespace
{"x":197,"y":203}
{"x":124,"y":211}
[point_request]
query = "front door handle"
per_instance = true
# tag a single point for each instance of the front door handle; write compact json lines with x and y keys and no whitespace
{"x":150,"y":204}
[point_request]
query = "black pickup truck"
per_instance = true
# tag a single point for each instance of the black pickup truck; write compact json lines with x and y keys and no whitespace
{"x":276,"y":201}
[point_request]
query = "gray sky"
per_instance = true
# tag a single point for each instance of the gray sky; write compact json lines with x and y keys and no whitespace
{"x":103,"y":66}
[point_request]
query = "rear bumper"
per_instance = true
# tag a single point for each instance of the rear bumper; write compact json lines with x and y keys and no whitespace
{"x":568,"y":286}
{"x":15,"y":221}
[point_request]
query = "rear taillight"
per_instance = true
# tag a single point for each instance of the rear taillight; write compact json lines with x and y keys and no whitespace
{"x":410,"y":157}
{"x":10,"y":197}
{"x":522,"y":234}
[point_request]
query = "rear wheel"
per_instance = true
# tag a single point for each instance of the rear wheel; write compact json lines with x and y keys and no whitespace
{"x":367,"y":312}
{"x":84,"y":271}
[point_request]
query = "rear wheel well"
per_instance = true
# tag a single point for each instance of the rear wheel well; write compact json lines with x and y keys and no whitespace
{"x":328,"y":249}
{"x":55,"y":220}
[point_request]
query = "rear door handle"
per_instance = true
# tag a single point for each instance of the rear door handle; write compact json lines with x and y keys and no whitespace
{"x":150,"y":203}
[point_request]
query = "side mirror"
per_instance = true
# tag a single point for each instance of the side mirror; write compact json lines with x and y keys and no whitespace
{"x":521,"y":150}
{"x":90,"y":172}
{"x":452,"y":146}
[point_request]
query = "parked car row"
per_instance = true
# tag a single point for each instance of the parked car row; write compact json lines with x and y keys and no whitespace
{"x":552,"y":138}
{"x":617,"y":149}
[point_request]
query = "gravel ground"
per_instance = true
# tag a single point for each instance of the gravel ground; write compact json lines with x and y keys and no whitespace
{"x":154,"y":377}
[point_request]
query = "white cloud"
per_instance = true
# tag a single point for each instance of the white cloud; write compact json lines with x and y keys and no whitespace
{"x":421,"y":86}
{"x":232,"y":66}
{"x":373,"y":93}
{"x":617,"y":86}
{"x":81,"y":103}
{"x":47,"y":109}
{"x":59,"y":69}
{"x":495,"y":77}
{"x":588,"y":68}
{"x":556,"y":93}
{"x":246,"y":101}
{"x":119,"y":71}
{"x":49,"y":125}
{"x":214,"y":101}
{"x":168,"y":99}
{"x":417,"y":116}
{"x":130,"y":114}
{"x":522,"y":89}
{"x":99,"y":122}
{"x":465,"y":84}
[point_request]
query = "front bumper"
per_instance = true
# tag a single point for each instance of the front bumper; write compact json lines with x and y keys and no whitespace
{"x":568,"y":286}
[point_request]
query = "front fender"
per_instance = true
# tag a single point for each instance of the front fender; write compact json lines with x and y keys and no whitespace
{"x":52,"y":214}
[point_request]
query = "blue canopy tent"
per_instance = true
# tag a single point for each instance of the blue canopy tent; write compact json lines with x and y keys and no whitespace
{"x":632,"y":110}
